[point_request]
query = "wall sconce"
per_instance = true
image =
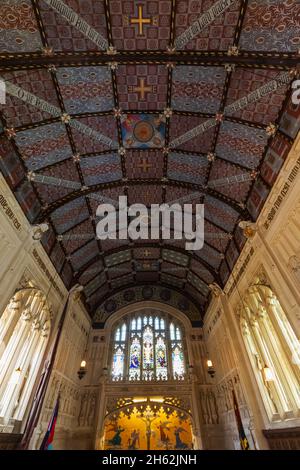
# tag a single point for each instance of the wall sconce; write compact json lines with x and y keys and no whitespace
{"x":82,"y":371}
{"x":268,"y":373}
{"x":210,"y":369}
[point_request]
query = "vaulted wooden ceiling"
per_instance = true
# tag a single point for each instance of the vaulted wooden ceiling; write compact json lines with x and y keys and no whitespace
{"x":208,"y":85}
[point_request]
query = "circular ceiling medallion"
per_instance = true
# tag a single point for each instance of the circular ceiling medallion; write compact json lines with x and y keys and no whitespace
{"x":183,"y":304}
{"x":110,"y":306}
{"x":165,"y":295}
{"x":147,"y":292}
{"x":129,"y":295}
{"x":143,"y":131}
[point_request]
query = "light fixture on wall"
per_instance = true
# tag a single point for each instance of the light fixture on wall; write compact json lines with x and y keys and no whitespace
{"x":82,"y":370}
{"x":268,"y":373}
{"x":210,"y":368}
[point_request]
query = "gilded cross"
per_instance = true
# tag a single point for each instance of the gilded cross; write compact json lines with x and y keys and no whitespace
{"x":140,"y":20}
{"x":142,"y":89}
{"x":144,"y":165}
{"x":146,"y":252}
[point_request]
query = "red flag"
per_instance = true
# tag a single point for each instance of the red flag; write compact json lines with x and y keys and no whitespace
{"x":48,"y":439}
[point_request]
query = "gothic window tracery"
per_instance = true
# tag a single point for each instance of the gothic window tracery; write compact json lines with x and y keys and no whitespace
{"x":24,"y":329}
{"x":273,"y":350}
{"x":151,"y":348}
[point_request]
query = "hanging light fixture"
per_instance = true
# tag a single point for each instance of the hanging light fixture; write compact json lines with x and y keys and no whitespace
{"x":210,"y":369}
{"x":82,"y":370}
{"x":268,"y":373}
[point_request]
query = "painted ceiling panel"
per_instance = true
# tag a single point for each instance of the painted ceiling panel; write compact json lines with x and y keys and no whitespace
{"x":91,"y":272}
{"x":18,"y":27}
{"x":271,"y":25}
{"x":171,"y":280}
{"x":243,"y":82}
{"x":241,"y":144}
{"x":144,"y":164}
{"x":202,"y":143}
{"x":220,"y":213}
{"x":220,"y":33}
{"x":146,"y":253}
{"x":51,"y":193}
{"x":44,"y":145}
{"x":104,"y":125}
{"x":119,"y":270}
{"x":142,"y":87}
{"x":61,"y":36}
{"x":82,"y":233}
{"x":198,"y":89}
{"x":131,"y":34}
{"x":83,"y":255}
{"x":171,"y":268}
{"x":228,"y":180}
{"x":106,"y":99}
{"x":38,"y":82}
{"x":210,"y":255}
{"x":85,"y":89}
{"x":198,"y":268}
{"x":69,"y":215}
{"x":189,"y":168}
{"x":101,"y":169}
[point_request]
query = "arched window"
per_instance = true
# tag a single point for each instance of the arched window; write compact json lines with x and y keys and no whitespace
{"x":273,"y":350}
{"x":150,"y":348}
{"x":24,"y":329}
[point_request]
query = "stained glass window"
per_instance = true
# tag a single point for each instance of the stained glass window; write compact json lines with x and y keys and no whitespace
{"x":177,"y":361}
{"x":161,"y":359}
{"x":144,"y":350}
{"x":148,"y":362}
{"x":123,"y":333}
{"x":118,"y":363}
{"x":135,"y":359}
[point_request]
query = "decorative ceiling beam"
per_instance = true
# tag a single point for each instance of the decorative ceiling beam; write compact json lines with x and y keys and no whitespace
{"x":118,"y":249}
{"x":283,"y":61}
{"x":52,"y":181}
{"x":154,"y":182}
{"x":78,"y":23}
{"x":269,"y":87}
{"x":33,"y":100}
{"x":202,"y":22}
{"x":229,"y":180}
{"x":103,"y":199}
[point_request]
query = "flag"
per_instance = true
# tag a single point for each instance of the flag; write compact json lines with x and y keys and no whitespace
{"x":243,"y":439}
{"x":40,"y":393}
{"x":48,"y":439}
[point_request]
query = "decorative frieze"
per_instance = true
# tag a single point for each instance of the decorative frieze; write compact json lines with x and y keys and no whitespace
{"x":282,"y":194}
{"x":49,"y":276}
{"x":9,"y":212}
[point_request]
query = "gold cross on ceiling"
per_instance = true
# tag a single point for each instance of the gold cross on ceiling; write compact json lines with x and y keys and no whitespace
{"x":147,"y":253}
{"x":142,"y":89}
{"x":140,"y":20}
{"x":144,"y":165}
